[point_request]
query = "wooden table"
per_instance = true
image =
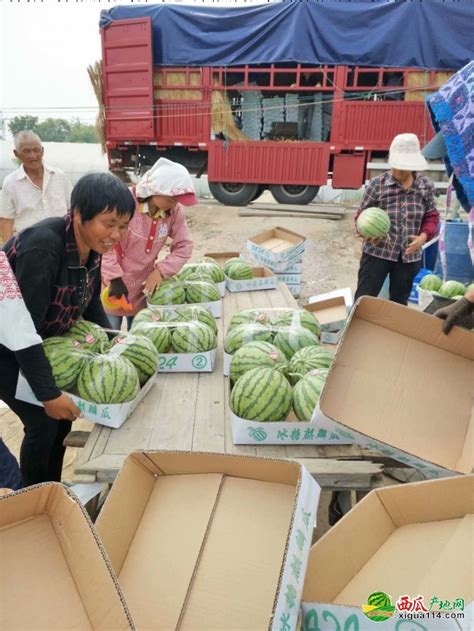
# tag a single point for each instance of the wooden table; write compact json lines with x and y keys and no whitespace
{"x":188,"y":412}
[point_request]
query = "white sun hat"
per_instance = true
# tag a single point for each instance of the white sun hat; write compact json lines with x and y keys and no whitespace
{"x":405,"y":154}
{"x":167,"y":178}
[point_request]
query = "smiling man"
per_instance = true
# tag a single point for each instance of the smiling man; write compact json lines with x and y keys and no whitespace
{"x":56,"y":263}
{"x":34,"y":191}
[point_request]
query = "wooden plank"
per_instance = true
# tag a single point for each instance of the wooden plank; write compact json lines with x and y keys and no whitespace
{"x":327,"y":209}
{"x":94,"y":447}
{"x":276,"y":213}
{"x":332,"y":474}
{"x":76,"y":439}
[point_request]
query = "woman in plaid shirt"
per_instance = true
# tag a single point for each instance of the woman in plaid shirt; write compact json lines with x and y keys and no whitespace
{"x":409,"y":200}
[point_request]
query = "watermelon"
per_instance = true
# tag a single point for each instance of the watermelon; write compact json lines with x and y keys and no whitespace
{"x":200,"y":291}
{"x":108,"y":379}
{"x":239,"y":271}
{"x":430,"y":282}
{"x":292,"y":340}
{"x":185,"y":272}
{"x":139,"y":350}
{"x":206,"y":259}
{"x":66,"y":358}
{"x":158,"y":334}
{"x":452,"y":288}
{"x":196,"y":312}
{"x":257,"y":355}
{"x":170,"y":292}
{"x":193,"y":337}
{"x":469,"y":288}
{"x":261,"y":394}
{"x":91,"y":336}
{"x":306,"y":395}
{"x":151,"y":315}
{"x":230,"y":262}
{"x":240,"y":335}
{"x":251,"y":316}
{"x":307,"y":359}
{"x":212,"y":269}
{"x":373,"y":223}
{"x":299,"y":317}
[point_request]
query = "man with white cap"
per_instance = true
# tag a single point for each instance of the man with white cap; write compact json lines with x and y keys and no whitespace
{"x":132,"y":268}
{"x":409,"y":200}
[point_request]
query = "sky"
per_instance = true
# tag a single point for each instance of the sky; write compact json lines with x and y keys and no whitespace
{"x":45,"y":48}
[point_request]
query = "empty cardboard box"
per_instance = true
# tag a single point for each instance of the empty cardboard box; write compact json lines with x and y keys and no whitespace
{"x":208,"y":541}
{"x":332,"y":315}
{"x":413,"y":541}
{"x":277,"y":248}
{"x":402,"y":387}
{"x":54,"y":571}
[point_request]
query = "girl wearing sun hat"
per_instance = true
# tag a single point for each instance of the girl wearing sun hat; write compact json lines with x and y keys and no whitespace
{"x":132,"y":268}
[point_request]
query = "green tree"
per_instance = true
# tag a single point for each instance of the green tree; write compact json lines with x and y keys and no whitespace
{"x":23,"y":123}
{"x":82,"y":133}
{"x":54,"y":130}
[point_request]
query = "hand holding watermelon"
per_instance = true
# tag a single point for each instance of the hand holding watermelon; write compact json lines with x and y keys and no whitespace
{"x":152,"y":282}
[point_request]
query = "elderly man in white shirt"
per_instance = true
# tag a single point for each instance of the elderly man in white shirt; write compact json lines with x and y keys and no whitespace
{"x":34,"y":191}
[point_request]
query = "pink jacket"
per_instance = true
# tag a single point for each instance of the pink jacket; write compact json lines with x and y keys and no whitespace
{"x":134,"y":257}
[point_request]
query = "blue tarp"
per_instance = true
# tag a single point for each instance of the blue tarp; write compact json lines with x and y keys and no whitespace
{"x":398,"y":33}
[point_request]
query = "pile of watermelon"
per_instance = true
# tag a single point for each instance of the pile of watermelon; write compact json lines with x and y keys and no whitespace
{"x":449,"y":289}
{"x":238,"y":269}
{"x":197,"y":288}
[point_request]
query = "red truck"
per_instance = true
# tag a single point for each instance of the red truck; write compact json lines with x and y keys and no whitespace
{"x":237,"y":122}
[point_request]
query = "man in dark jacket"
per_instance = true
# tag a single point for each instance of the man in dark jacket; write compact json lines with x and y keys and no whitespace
{"x":56,"y":263}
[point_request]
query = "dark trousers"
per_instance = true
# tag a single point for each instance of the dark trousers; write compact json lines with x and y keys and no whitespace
{"x":10,"y":476}
{"x":42,"y":451}
{"x":373,"y":272}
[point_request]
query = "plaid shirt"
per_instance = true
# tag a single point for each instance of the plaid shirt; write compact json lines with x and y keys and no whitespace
{"x":411,"y":211}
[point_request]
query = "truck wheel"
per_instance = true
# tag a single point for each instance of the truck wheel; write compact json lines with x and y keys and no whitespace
{"x":258,"y":192}
{"x":233,"y":193}
{"x":293,"y":194}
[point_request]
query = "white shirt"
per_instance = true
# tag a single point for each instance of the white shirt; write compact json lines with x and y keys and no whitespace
{"x":27,"y":204}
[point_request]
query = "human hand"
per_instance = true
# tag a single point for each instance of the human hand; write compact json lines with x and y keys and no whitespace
{"x":117,"y":288}
{"x":152,"y":282}
{"x":455,"y":313}
{"x":62,"y":409}
{"x":416,"y":243}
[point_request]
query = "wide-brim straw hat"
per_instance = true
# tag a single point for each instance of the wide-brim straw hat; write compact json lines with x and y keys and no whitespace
{"x":405,"y":154}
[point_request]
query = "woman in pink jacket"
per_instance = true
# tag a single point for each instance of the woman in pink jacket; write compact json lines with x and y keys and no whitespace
{"x":132,"y":269}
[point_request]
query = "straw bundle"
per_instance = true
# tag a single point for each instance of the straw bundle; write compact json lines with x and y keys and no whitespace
{"x":421,"y":80}
{"x":222,"y":120}
{"x":95,"y":75}
{"x":177,"y":79}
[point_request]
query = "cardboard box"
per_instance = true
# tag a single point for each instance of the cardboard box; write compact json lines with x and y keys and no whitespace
{"x":295,"y":290}
{"x":289,"y":279}
{"x":187,"y":362}
{"x":55,"y":572}
{"x":222,"y":257}
{"x":402,"y":387}
{"x":332,"y":314}
{"x":407,"y":541}
{"x":346,"y":293}
{"x":295,"y":267}
{"x":111,"y":415}
{"x":214,"y":307}
{"x":277,"y":248}
{"x":210,"y":541}
{"x":263,"y":278}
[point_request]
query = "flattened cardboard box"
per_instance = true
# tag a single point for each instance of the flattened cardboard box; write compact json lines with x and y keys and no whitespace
{"x":109,"y":414}
{"x":400,"y":386}
{"x":412,"y":541}
{"x":210,"y":541}
{"x":332,"y":315}
{"x":55,"y":572}
{"x":277,"y":248}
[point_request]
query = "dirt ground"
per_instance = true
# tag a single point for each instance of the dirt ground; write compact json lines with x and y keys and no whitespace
{"x":328,"y":264}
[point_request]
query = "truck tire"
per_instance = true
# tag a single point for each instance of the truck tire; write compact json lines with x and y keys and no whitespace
{"x":293,"y":194}
{"x":257,"y":194}
{"x":233,"y":193}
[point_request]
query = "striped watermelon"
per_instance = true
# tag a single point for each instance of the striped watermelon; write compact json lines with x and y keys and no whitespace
{"x":430,"y":282}
{"x":261,"y":394}
{"x":239,"y":271}
{"x":108,"y":379}
{"x":158,"y":334}
{"x":66,"y":358}
{"x":451,"y":289}
{"x":307,"y":359}
{"x":257,"y":355}
{"x":140,"y":351}
{"x":292,"y":340}
{"x":251,"y":316}
{"x":91,"y":336}
{"x":306,"y":395}
{"x":229,"y":264}
{"x":185,"y":272}
{"x":199,"y":274}
{"x":213,"y":270}
{"x":373,"y":223}
{"x":196,"y":312}
{"x":240,"y":335}
{"x":200,"y":291}
{"x":193,"y":337}
{"x":151,"y":315}
{"x":170,"y":292}
{"x":299,"y":317}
